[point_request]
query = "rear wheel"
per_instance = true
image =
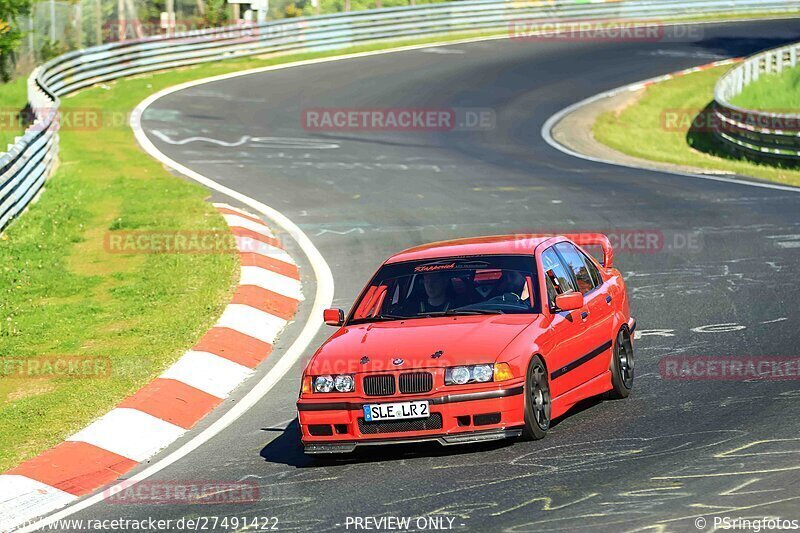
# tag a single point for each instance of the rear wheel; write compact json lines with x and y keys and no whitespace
{"x":537,"y":401}
{"x":621,"y":367}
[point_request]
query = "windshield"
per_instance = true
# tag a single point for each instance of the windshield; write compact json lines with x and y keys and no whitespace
{"x":452,"y":286}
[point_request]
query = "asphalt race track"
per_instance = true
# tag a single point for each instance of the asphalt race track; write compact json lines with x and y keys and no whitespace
{"x":671,"y":452}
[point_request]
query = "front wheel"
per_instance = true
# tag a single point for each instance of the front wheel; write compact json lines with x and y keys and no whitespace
{"x":621,"y":367}
{"x":537,"y":401}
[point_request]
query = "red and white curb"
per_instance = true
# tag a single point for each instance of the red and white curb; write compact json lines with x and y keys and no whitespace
{"x":678,"y":74}
{"x":266,"y":298}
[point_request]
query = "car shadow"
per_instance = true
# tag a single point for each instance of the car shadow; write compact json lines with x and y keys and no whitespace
{"x":578,"y":408}
{"x":288,"y":450}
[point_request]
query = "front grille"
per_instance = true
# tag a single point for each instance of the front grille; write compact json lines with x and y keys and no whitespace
{"x":382,"y":385}
{"x":416,"y":382}
{"x":398,"y":426}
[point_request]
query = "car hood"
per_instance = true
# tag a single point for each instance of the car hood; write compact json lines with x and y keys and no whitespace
{"x":379,"y":346}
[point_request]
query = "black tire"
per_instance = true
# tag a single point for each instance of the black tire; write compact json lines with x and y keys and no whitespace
{"x":537,"y":401}
{"x":621,"y":367}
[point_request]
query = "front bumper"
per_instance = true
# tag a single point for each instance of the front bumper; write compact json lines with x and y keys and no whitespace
{"x":470,"y":437}
{"x":456,"y":418}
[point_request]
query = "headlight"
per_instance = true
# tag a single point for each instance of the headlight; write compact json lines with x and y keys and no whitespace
{"x":344,"y":383}
{"x":460,"y":375}
{"x":482,"y":373}
{"x":340,"y":383}
{"x":323,"y":384}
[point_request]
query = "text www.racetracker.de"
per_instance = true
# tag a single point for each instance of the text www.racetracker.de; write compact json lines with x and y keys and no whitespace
{"x":197,"y":523}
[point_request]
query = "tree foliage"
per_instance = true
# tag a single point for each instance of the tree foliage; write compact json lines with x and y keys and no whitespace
{"x":10,"y":34}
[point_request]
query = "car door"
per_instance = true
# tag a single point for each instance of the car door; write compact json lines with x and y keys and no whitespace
{"x":565,"y":334}
{"x":597,"y":314}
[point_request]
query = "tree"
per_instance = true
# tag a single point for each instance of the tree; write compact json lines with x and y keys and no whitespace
{"x":10,"y":34}
{"x":215,"y":13}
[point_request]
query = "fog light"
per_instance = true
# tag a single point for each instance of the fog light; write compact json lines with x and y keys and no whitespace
{"x":323,"y":384}
{"x":344,"y":383}
{"x":482,"y":373}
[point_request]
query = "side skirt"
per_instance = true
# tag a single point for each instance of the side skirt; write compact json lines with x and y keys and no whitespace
{"x":593,"y":387}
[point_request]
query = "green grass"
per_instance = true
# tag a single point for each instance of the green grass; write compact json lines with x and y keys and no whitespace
{"x":13,"y":97}
{"x":777,"y":92}
{"x":63,"y":294}
{"x":657,"y":127}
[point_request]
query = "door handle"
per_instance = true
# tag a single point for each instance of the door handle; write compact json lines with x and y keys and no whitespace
{"x":608,"y":299}
{"x":584,"y":315}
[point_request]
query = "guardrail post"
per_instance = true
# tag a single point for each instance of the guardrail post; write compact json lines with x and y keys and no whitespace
{"x":793,"y":56}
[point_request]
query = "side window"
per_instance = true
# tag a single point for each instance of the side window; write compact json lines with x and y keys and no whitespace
{"x":557,"y":278}
{"x":596,"y":278}
{"x":576,"y":262}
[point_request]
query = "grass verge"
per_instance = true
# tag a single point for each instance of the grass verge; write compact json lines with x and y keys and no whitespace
{"x":658,"y":127}
{"x":13,"y":97}
{"x":777,"y":92}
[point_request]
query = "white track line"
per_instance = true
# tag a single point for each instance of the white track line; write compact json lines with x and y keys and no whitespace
{"x":551,"y":122}
{"x":324,"y":293}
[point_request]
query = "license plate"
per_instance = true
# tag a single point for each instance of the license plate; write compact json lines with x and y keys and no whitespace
{"x":396,"y":411}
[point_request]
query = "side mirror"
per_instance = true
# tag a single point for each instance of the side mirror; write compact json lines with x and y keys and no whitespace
{"x":569,"y":301}
{"x":333,"y":317}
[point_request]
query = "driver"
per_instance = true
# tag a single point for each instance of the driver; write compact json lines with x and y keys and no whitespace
{"x":436,"y":294}
{"x":512,"y":282}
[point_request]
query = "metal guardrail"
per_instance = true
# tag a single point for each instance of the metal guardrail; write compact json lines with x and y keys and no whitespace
{"x":28,"y":163}
{"x":760,"y":134}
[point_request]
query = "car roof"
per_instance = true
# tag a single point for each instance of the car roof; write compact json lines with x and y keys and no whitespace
{"x":518,"y":244}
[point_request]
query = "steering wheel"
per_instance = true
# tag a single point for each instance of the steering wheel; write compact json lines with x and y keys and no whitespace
{"x":511,"y":297}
